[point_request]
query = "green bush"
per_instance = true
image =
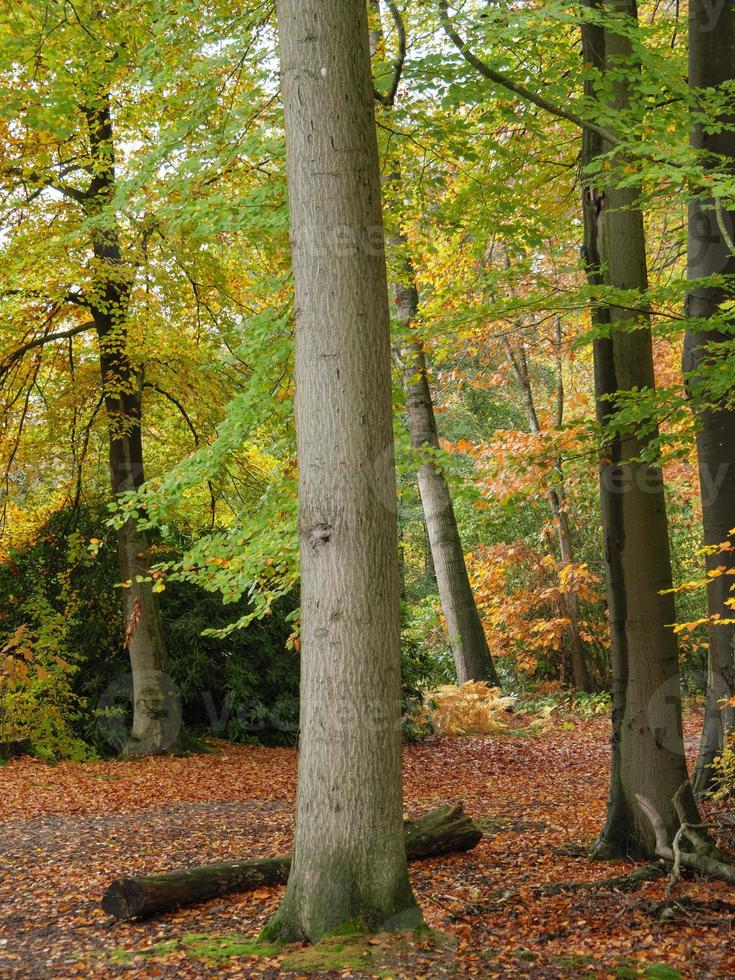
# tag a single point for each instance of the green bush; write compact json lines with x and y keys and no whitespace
{"x":241,"y":686}
{"x":38,"y":704}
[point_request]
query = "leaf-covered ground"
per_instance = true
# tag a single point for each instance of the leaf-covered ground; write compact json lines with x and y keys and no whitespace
{"x":68,"y":830}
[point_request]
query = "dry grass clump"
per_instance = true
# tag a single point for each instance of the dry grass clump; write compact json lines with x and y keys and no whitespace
{"x":473,"y":708}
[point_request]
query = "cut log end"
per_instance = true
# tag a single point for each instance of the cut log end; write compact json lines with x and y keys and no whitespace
{"x":124,"y":899}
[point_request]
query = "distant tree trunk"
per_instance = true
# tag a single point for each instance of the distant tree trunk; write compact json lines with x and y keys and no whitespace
{"x":711,"y":64}
{"x":472,"y":658}
{"x":155,"y":716}
{"x":349,"y":863}
{"x":518,"y":364}
{"x":445,"y":560}
{"x":429,"y":570}
{"x":647,"y":744}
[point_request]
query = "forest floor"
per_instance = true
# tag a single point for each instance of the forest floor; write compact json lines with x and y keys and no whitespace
{"x":67,"y":830}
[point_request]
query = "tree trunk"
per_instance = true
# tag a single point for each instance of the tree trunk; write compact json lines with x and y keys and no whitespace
{"x":349,"y":856}
{"x":472,"y":658}
{"x":582,"y":680}
{"x":446,"y":830}
{"x":647,"y":744}
{"x":518,"y":364}
{"x":445,"y":557}
{"x":156,"y":714}
{"x":711,"y":64}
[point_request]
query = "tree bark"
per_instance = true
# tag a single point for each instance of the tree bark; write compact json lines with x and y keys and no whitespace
{"x":156,"y":716}
{"x":445,"y":559}
{"x":647,"y":744}
{"x":446,"y":830}
{"x":711,"y":64}
{"x":349,"y":857}
{"x":472,"y":658}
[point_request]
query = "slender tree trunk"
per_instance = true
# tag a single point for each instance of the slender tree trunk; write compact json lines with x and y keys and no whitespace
{"x":471,"y":654}
{"x":429,"y":570}
{"x":582,"y":680}
{"x":712,"y":63}
{"x":445,"y":560}
{"x":518,"y":364}
{"x":647,"y":744}
{"x":349,"y":867}
{"x":156,"y":717}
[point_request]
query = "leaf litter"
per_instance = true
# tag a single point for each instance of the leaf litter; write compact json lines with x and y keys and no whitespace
{"x":540,"y":799}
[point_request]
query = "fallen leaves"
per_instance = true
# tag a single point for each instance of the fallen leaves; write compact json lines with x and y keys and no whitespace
{"x":540,"y":799}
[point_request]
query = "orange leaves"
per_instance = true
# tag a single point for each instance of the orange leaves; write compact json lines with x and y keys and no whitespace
{"x":539,"y":800}
{"x":521,"y":596}
{"x":577,"y":578}
{"x":17,"y":656}
{"x":517,"y":462}
{"x":473,"y":708}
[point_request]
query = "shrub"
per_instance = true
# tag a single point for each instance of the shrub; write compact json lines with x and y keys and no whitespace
{"x":38,"y":705}
{"x":473,"y":708}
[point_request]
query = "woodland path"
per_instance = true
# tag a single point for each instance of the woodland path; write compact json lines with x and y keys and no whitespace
{"x":67,"y":830}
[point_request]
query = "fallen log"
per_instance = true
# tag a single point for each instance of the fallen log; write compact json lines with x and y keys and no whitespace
{"x":445,"y":830}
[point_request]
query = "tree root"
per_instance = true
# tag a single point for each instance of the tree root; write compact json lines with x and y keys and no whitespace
{"x":704,"y":858}
{"x":689,"y":910}
{"x":621,"y":883}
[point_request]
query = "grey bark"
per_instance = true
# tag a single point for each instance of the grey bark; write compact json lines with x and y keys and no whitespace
{"x":647,"y":744}
{"x":155,"y":712}
{"x":446,"y":562}
{"x":349,"y":857}
{"x":471,"y":654}
{"x":712,"y":63}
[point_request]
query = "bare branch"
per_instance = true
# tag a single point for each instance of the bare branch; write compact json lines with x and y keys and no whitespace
{"x":177,"y":403}
{"x":498,"y":78}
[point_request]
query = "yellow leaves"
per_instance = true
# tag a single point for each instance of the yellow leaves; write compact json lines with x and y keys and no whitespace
{"x":714,"y":620}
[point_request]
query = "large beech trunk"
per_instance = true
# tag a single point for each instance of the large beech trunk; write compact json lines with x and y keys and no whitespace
{"x":472,"y":658}
{"x":446,"y":830}
{"x":155,"y":711}
{"x":712,"y":63}
{"x":647,"y":745}
{"x":349,"y":856}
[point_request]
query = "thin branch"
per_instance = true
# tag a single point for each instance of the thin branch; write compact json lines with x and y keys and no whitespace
{"x":48,"y":338}
{"x":177,"y":403}
{"x":723,"y":228}
{"x":50,"y":179}
{"x":390,"y":97}
{"x":498,"y":78}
